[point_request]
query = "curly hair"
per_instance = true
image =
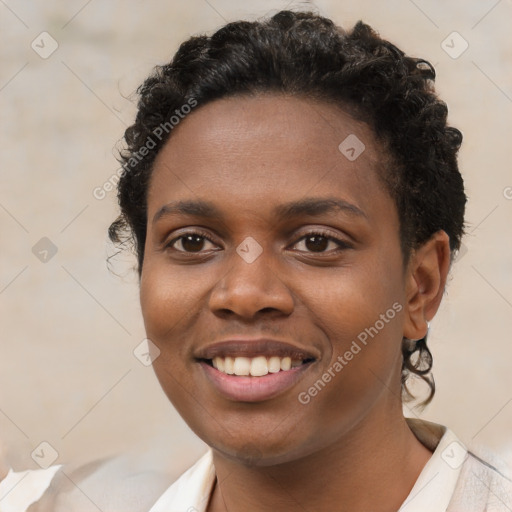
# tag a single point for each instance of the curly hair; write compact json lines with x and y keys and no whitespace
{"x":304,"y":54}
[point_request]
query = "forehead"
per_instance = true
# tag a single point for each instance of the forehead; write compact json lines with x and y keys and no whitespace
{"x":266,"y":150}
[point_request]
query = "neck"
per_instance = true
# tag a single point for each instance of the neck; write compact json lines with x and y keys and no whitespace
{"x":373,"y":467}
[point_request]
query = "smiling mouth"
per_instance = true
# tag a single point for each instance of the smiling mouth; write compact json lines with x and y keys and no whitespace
{"x":258,"y":366}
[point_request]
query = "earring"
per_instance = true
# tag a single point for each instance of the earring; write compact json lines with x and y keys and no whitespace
{"x":410,"y":345}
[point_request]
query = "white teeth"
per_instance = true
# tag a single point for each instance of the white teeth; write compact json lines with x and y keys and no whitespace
{"x":259,"y":366}
{"x":229,"y":365}
{"x":255,"y":366}
{"x":242,"y":366}
{"x":274,"y":364}
{"x":218,"y":362}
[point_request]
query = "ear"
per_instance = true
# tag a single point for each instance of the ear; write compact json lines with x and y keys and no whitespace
{"x":426,"y":276}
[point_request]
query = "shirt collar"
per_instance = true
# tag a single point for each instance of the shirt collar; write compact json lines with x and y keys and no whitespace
{"x":431,"y":492}
{"x":436,"y":484}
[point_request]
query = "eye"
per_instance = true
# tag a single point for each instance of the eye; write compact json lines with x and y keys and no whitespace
{"x":191,"y":242}
{"x":318,"y":241}
{"x":314,"y":241}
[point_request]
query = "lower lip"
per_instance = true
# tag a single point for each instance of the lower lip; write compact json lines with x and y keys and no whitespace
{"x":253,"y":389}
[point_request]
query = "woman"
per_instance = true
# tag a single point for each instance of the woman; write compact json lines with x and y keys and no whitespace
{"x":294,"y":200}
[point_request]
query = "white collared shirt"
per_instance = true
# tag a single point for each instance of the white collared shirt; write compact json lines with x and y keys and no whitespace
{"x":19,"y":490}
{"x":455,"y":479}
{"x":432,"y":491}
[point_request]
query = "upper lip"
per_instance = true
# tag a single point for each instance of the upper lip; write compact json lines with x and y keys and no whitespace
{"x":240,"y":347}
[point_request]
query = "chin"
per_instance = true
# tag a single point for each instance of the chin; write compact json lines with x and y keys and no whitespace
{"x":263,"y":454}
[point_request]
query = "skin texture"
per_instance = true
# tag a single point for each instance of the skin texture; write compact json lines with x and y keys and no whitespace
{"x":247,"y":156}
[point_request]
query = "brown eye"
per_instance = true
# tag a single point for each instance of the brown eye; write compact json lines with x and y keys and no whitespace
{"x":190,"y":242}
{"x":317,"y":242}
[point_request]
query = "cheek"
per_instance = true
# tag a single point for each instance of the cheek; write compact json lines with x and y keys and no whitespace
{"x":352,"y":299}
{"x":165,"y":304}
{"x":168,"y":299}
{"x":361,"y":313}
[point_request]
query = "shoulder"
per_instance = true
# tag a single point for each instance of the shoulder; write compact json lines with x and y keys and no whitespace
{"x":484,"y":484}
{"x":483,"y":479}
{"x":20,"y":490}
{"x":109,"y":485}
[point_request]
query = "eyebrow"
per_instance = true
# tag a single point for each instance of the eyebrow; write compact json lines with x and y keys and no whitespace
{"x":305,"y":207}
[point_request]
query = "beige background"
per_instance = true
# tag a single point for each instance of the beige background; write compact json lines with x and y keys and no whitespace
{"x":68,"y":375}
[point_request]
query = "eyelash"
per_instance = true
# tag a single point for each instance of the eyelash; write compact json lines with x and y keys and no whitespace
{"x":319,"y":232}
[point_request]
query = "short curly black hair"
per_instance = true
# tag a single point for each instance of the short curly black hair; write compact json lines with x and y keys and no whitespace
{"x":304,"y":54}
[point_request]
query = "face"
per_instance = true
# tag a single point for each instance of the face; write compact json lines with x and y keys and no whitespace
{"x":274,"y":251}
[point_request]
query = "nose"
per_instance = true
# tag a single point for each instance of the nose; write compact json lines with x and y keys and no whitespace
{"x":247,"y":288}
